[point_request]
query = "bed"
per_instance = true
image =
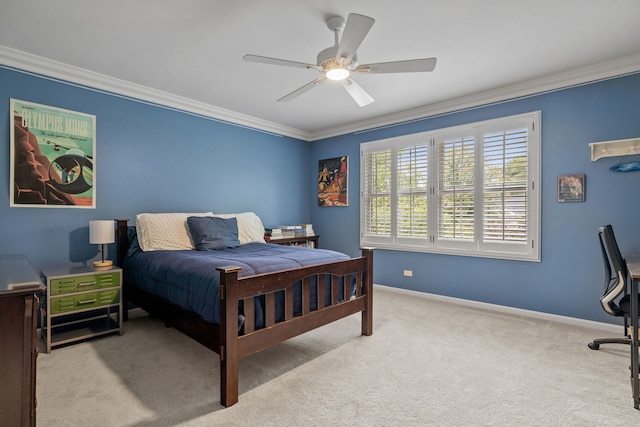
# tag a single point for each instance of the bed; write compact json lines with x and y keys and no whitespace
{"x":251,"y":296}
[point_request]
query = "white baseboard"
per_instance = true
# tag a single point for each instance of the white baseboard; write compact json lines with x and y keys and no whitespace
{"x":605,"y":327}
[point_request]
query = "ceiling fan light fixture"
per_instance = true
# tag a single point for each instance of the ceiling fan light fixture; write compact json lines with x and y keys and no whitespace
{"x":339,"y":61}
{"x":337,"y":73}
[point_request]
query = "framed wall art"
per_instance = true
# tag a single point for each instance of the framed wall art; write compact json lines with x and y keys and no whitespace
{"x":52,"y":163}
{"x":571,"y":188}
{"x":332,"y":181}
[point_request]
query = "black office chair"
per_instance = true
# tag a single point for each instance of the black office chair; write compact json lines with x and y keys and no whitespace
{"x":616,"y":279}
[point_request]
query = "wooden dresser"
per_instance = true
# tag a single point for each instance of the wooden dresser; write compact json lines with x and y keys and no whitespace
{"x":19,"y":285}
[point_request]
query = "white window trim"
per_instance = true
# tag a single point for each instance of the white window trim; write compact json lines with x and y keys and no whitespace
{"x":502,"y":250}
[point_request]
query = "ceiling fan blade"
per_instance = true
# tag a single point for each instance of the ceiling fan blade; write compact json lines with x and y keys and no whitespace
{"x":408,"y":66}
{"x":296,"y":93}
{"x":355,"y":30}
{"x":357,"y":92}
{"x":282,"y":62}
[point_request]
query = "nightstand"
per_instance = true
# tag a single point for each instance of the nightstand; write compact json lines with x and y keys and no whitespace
{"x":80,"y":303}
{"x":308,"y":241}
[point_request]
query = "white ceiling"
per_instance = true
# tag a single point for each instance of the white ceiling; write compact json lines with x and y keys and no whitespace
{"x":194,"y":49}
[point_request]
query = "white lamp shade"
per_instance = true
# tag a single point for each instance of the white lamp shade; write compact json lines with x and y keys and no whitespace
{"x":101,"y":232}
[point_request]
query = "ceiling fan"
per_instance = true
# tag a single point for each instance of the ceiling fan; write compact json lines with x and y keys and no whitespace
{"x":339,"y":61}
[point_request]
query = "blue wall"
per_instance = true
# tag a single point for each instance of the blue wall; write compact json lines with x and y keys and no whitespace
{"x":151,"y":159}
{"x":569,"y":279}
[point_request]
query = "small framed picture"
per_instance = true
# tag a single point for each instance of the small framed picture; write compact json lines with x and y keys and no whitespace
{"x":332,"y":181}
{"x":571,"y":188}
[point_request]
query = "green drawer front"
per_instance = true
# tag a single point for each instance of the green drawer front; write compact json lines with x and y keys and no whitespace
{"x":84,"y":283}
{"x":83,"y":301}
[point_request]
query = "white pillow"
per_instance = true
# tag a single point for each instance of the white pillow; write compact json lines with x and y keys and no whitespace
{"x":250,"y":228}
{"x":165,"y":231}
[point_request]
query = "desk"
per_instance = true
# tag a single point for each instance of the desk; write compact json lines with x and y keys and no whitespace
{"x":633,"y":265}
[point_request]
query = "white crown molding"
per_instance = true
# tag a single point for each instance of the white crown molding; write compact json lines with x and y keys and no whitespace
{"x":571,"y":78}
{"x":69,"y":74}
{"x":46,"y":68}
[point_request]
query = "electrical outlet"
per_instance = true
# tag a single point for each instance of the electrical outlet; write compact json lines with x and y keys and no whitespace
{"x":408,"y":273}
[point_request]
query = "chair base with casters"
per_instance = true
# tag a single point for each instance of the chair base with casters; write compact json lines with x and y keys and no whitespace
{"x":622,"y":310}
{"x":595,"y":344}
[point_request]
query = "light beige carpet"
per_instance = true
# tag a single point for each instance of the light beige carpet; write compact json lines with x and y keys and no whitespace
{"x":427,"y":363}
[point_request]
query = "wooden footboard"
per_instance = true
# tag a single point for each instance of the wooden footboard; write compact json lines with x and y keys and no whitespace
{"x":234,"y":289}
{"x":226,"y":340}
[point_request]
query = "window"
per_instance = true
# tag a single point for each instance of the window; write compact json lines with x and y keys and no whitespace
{"x":468,"y":190}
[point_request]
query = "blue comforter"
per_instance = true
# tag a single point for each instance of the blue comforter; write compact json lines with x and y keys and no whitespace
{"x":189,"y":278}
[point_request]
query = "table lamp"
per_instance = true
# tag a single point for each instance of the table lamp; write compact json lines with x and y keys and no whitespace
{"x":101,"y":232}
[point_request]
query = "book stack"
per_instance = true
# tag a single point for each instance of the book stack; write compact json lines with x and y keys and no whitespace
{"x":307,"y":229}
{"x":280,"y":232}
{"x":272,"y":233}
{"x":288,"y":231}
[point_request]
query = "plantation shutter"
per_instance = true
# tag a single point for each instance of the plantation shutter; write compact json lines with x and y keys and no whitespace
{"x":412,"y":185}
{"x":505,"y":213}
{"x":377,"y":195}
{"x":456,"y":184}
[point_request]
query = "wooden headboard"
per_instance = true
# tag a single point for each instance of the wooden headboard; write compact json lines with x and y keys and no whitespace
{"x":122,"y":242}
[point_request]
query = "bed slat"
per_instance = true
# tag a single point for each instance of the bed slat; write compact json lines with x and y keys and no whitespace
{"x":305,"y":298}
{"x":288,"y":303}
{"x":270,"y":309}
{"x":320,"y":293}
{"x":249,"y":315}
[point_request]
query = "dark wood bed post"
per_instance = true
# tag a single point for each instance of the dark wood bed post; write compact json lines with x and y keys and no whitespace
{"x":229,"y":335}
{"x":367,"y":313}
{"x":121,"y":240}
{"x":122,"y":244}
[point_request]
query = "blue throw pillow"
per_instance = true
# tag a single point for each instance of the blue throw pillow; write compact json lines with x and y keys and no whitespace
{"x":211,"y":233}
{"x":132,"y":237}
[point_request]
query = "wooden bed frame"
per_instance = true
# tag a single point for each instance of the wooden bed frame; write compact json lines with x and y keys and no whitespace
{"x":224,"y":338}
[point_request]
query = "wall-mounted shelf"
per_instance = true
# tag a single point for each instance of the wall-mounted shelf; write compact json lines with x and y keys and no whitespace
{"x":620,"y":147}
